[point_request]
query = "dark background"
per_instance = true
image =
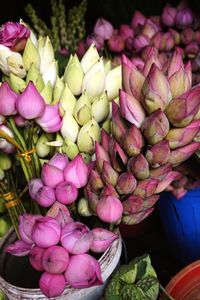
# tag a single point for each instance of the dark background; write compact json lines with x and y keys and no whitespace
{"x":116,"y":11}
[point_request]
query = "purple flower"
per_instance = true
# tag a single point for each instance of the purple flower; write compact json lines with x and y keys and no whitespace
{"x":35,"y":258}
{"x":55,"y":260}
{"x":26,"y":223}
{"x":102,"y":239}
{"x":50,"y":120}
{"x":116,"y":42}
{"x":7,"y":100}
{"x":184,"y":18}
{"x":103,"y":28}
{"x":83,"y":271}
{"x":14,"y":36}
{"x":52,"y":285}
{"x":19,"y":248}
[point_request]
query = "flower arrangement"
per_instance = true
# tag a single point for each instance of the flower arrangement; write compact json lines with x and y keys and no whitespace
{"x":98,"y":142}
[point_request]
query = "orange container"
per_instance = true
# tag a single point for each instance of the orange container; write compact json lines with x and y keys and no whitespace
{"x":185,"y":285}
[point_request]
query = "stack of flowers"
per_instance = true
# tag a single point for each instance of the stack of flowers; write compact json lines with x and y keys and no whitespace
{"x":174,"y":27}
{"x":153,"y":131}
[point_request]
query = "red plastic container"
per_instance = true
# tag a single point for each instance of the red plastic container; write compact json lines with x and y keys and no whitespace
{"x":185,"y":285}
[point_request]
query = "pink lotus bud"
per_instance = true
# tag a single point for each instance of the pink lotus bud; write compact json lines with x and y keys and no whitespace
{"x":109,"y":190}
{"x":19,"y":248}
{"x":116,"y":42}
{"x":52,"y":285}
{"x":109,"y":175}
{"x":66,"y":192}
{"x":133,"y":141}
{"x":59,"y":160}
{"x":102,"y":239}
{"x":149,"y":29}
{"x":176,"y":62}
{"x":150,"y":59}
{"x":50,"y":121}
{"x":61,"y":213}
{"x":158,"y":154}
{"x":138,"y":63}
{"x":91,"y":197}
{"x":160,"y":173}
{"x":136,"y":82}
{"x":55,"y":260}
{"x":133,"y":205}
{"x":181,"y":154}
{"x":103,"y":28}
{"x":101,"y":156}
{"x":26,"y":223}
{"x":140,"y":42}
{"x":191,"y":50}
{"x":95,"y":180}
{"x":155,"y":127}
{"x":179,"y":137}
{"x":126,"y":183}
{"x":162,"y":185}
{"x":45,"y":196}
{"x":118,"y":156}
{"x":169,"y":41}
{"x":76,"y":238}
{"x":126,"y":31}
{"x":95,"y":39}
{"x":119,"y":126}
{"x":184,"y":18}
{"x":139,"y":166}
{"x":30,"y":104}
{"x":7,"y":100}
{"x":187,"y":36}
{"x":35,"y":258}
{"x":177,"y":83}
{"x":77,"y":172}
{"x":181,"y":110}
{"x":176,"y":36}
{"x":131,"y":109}
{"x":109,"y":209}
{"x":33,"y":186}
{"x":51,"y":176}
{"x":137,"y":19}
{"x":20,"y":121}
{"x":146,"y":188}
{"x":126,"y":71}
{"x":88,"y":275}
{"x":163,"y":59}
{"x":150,"y":201}
{"x":46,"y":232}
{"x":168,"y":16}
{"x":137,"y":217}
{"x":156,"y":91}
{"x":105,"y":137}
{"x":158,"y":41}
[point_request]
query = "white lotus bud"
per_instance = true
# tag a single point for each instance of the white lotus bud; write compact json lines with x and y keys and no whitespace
{"x":46,"y":93}
{"x":100,"y":108}
{"x":90,"y":58}
{"x":82,"y":110}
{"x":87,"y":136}
{"x":67,"y":101}
{"x":50,"y":73}
{"x":46,"y":53}
{"x":70,"y":128}
{"x":58,"y":89}
{"x":113,"y":82}
{"x":31,"y":55}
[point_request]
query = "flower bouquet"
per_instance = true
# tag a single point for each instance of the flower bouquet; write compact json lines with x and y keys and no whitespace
{"x":91,"y":156}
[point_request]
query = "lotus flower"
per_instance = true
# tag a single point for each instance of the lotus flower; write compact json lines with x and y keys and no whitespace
{"x":109,"y":209}
{"x":55,"y":260}
{"x":26,"y":223}
{"x":66,"y":192}
{"x":45,"y":196}
{"x":103,"y":29}
{"x":46,"y":232}
{"x":76,"y":238}
{"x":168,"y":16}
{"x":184,"y":18}
{"x":102,"y":239}
{"x":59,"y":160}
{"x":137,"y":19}
{"x":19,"y":248}
{"x":83,"y":271}
{"x":60,"y":213}
{"x":51,"y":176}
{"x":7,"y":100}
{"x":50,"y":120}
{"x":52,"y":285}
{"x":35,"y":258}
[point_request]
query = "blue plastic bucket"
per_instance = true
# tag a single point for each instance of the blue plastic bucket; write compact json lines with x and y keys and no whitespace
{"x":181,"y":222}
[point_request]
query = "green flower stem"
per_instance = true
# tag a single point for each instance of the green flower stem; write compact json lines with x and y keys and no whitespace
{"x":17,"y":133}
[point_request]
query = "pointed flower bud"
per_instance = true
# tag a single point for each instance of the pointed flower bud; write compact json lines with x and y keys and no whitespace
{"x":66,"y":192}
{"x":168,"y":16}
{"x":181,"y":154}
{"x":73,"y":75}
{"x":109,"y":209}
{"x":163,"y":184}
{"x":116,"y":42}
{"x":19,"y":248}
{"x":182,"y":110}
{"x":100,"y":108}
{"x":90,"y":58}
{"x":158,"y":154}
{"x":7,"y":100}
{"x":42,"y":149}
{"x":45,"y":196}
{"x":140,"y":41}
{"x":137,"y":19}
{"x":136,"y":82}
{"x":60,"y":213}
{"x":150,"y":59}
{"x":160,"y":173}
{"x":146,"y":188}
{"x":137,"y":217}
{"x":102,"y":239}
{"x":155,"y":127}
{"x":119,"y":127}
{"x":117,"y":156}
{"x":113,"y":82}
{"x":126,"y":71}
{"x":26,"y":223}
{"x":50,"y":118}
{"x":88,"y":275}
{"x":17,"y":84}
{"x":31,"y":55}
{"x":103,"y":28}
{"x":59,"y":160}
{"x":126,"y":183}
{"x":87,"y":136}
{"x":184,"y":18}
{"x":109,"y":175}
{"x":58,"y":89}
{"x":101,"y":156}
{"x":95,"y":180}
{"x":35,"y":76}
{"x":77,"y":172}
{"x":46,"y":53}
{"x":156,"y":91}
{"x":70,"y":148}
{"x":131,"y":109}
{"x":139,"y":166}
{"x":30,"y":104}
{"x":82,"y":110}
{"x":52,"y":285}
{"x":50,"y":73}
{"x":149,"y":29}
{"x":133,"y":205}
{"x":133,"y":141}
{"x":69,"y":127}
{"x":51,"y":175}
{"x":94,"y":80}
{"x":105,"y":139}
{"x":83,"y":208}
{"x":76,"y":238}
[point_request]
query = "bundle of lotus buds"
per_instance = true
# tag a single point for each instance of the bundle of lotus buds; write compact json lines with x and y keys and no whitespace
{"x":153,"y":130}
